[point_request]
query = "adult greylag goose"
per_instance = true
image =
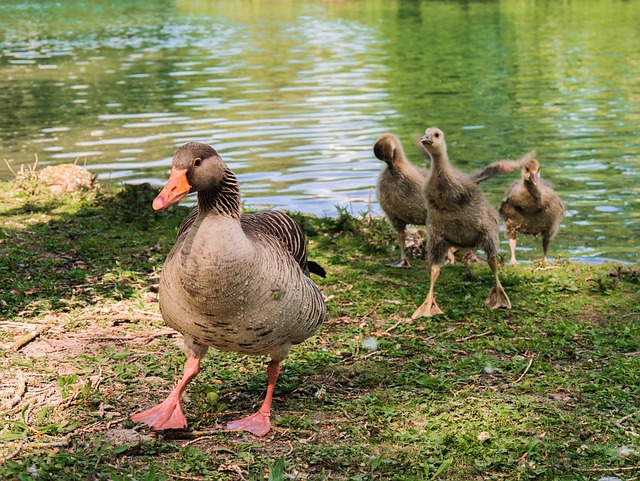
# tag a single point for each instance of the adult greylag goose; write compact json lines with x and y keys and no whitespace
{"x":459,"y":215}
{"x":532,"y":207}
{"x":235,"y":283}
{"x":400,"y":188}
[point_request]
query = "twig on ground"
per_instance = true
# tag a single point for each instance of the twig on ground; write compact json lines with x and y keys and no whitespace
{"x":207,"y":434}
{"x":188,"y":478}
{"x":595,"y":470}
{"x":618,"y":423}
{"x":367,"y":356}
{"x":445,"y":332}
{"x":141,"y":338}
{"x":27,"y":338}
{"x":13,"y":454}
{"x":151,"y":337}
{"x":545,"y":268}
{"x":195,"y":440}
{"x":504,"y":322}
{"x":20,"y":390}
{"x":120,"y":317}
{"x":98,"y":380}
{"x":9,"y":166}
{"x":148,"y":313}
{"x":16,"y":325}
{"x":52,"y":444}
{"x":370,"y":311}
{"x":394,"y":326}
{"x":235,"y":468}
{"x":472,"y":336}
{"x":526,"y":369}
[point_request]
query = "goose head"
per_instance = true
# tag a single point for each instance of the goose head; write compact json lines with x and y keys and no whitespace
{"x":195,"y":167}
{"x":387,"y":148}
{"x":433,"y":140}
{"x":531,"y":171}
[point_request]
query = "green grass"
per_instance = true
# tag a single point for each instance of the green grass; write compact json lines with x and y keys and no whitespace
{"x":549,"y":390}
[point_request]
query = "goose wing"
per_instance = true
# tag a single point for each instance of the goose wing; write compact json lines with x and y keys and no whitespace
{"x":287,"y":231}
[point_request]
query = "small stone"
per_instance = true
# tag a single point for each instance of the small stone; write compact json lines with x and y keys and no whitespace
{"x":66,"y":178}
{"x":483,"y":436}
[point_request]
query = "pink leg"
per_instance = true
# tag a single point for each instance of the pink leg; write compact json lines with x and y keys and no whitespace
{"x":169,"y":413}
{"x":259,"y":423}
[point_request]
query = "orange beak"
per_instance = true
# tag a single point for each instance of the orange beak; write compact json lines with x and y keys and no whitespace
{"x":176,"y":189}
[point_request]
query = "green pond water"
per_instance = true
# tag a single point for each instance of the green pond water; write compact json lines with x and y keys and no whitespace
{"x":294,"y":93}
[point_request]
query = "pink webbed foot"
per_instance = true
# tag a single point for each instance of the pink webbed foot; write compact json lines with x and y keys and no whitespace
{"x":169,"y":413}
{"x":166,"y":415}
{"x":258,"y":424}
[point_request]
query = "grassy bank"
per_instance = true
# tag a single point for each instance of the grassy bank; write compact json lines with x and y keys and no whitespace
{"x":547,"y":390}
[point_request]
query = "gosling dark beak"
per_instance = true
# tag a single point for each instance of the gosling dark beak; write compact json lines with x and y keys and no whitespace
{"x":427,"y":139}
{"x":534,"y":178}
{"x":176,"y":189}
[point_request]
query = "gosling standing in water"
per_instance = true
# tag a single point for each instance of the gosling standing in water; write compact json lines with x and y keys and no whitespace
{"x":532,"y":207}
{"x":459,"y":215}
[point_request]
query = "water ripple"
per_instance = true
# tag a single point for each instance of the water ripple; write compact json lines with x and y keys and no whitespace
{"x":294,"y":96}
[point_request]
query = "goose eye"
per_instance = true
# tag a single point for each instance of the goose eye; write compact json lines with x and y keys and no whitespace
{"x":197,"y":161}
{"x":437,"y":135}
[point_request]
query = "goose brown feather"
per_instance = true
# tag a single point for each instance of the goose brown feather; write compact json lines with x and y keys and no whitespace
{"x":400,"y":187}
{"x":399,"y":190}
{"x":460,"y":216}
{"x":274,"y":223}
{"x":531,"y":206}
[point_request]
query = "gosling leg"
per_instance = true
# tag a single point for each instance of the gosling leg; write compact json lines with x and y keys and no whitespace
{"x":512,"y":246}
{"x":497,"y":297}
{"x":404,"y":260}
{"x":545,"y":247}
{"x":429,"y":307}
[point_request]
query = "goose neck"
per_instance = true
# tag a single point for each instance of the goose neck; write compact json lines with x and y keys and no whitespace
{"x":440,"y":160}
{"x":223,"y":199}
{"x":533,"y":190}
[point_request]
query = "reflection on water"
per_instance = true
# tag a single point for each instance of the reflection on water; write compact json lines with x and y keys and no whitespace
{"x":294,"y":93}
